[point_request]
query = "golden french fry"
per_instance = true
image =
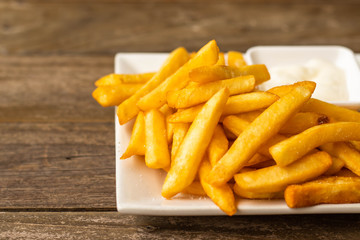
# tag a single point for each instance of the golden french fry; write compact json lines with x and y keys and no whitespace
{"x":329,"y":190}
{"x":236,"y":104}
{"x":281,"y":90}
{"x":219,"y":72}
{"x":259,"y":131}
{"x":257,"y":195}
{"x":192,"y":149}
{"x":356,"y":144}
{"x":168,"y":111}
{"x":222,"y":196}
{"x":137,"y":140}
{"x":195,"y":188}
{"x":180,"y":130}
{"x":267,"y":163}
{"x":218,"y":145}
{"x":236,"y":59}
{"x":257,"y":158}
{"x":207,"y":55}
{"x":302,"y":121}
{"x":346,"y":153}
{"x":108,"y":96}
{"x":128,"y":109}
{"x":276,"y":178}
{"x":237,"y":125}
{"x":188,"y":97}
{"x":332,"y":111}
{"x":118,"y":79}
{"x":221,"y":60}
{"x":337,"y":165}
{"x":295,"y":147}
{"x":157,"y":151}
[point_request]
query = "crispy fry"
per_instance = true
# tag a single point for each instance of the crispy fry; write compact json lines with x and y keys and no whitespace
{"x":276,"y":178}
{"x":257,"y":195}
{"x":338,"y":113}
{"x":259,"y":131}
{"x":346,"y":153}
{"x":157,"y":151}
{"x":189,"y":97}
{"x":168,"y":111}
{"x":281,"y":90}
{"x":137,"y":140}
{"x":118,"y":79}
{"x":236,"y":59}
{"x":221,"y":60}
{"x":257,"y":158}
{"x":356,"y":144}
{"x":219,"y":72}
{"x":207,"y":55}
{"x":195,"y":188}
{"x":192,"y":149}
{"x":236,"y":104}
{"x":328,"y":190}
{"x":128,"y":109}
{"x":337,"y":165}
{"x":302,"y":121}
{"x":298,"y":145}
{"x":108,"y":96}
{"x":218,"y":145}
{"x":180,"y":130}
{"x":222,"y":196}
{"x":344,"y":172}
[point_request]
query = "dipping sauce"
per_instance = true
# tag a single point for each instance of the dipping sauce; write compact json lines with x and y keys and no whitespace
{"x":330,"y":79}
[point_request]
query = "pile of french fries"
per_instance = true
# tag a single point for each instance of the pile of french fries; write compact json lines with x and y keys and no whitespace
{"x":201,"y":119}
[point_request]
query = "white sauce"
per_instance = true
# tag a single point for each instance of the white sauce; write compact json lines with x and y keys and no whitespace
{"x":330,"y":79}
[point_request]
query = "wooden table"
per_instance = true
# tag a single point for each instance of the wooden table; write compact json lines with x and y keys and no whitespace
{"x":57,"y":161}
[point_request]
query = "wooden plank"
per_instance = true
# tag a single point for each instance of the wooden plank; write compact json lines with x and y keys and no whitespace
{"x":57,"y":166}
{"x":52,"y":89}
{"x":93,"y":225}
{"x":106,"y":27}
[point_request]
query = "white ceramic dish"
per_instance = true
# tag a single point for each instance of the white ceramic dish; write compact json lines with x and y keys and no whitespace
{"x":138,"y":188}
{"x":344,"y":58}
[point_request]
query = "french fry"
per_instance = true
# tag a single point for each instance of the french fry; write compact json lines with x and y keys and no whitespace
{"x":128,"y":109}
{"x":118,"y":79}
{"x":195,"y":188}
{"x":218,"y":145}
{"x":338,"y":113}
{"x":257,"y":195}
{"x":236,"y":104}
{"x":329,"y":190}
{"x":281,"y":90}
{"x":137,"y":140}
{"x":236,"y":59}
{"x":298,"y":145}
{"x":188,"y":97}
{"x":346,"y":153}
{"x":180,"y":130}
{"x":259,"y":131}
{"x":356,"y":144}
{"x":337,"y":165}
{"x":344,"y":172}
{"x":207,"y":55}
{"x":192,"y":149}
{"x":302,"y":121}
{"x":219,"y":72}
{"x":257,"y":158}
{"x":221,"y":60}
{"x":276,"y":178}
{"x":157,"y":151}
{"x":222,"y":196}
{"x":108,"y":96}
{"x":168,"y":111}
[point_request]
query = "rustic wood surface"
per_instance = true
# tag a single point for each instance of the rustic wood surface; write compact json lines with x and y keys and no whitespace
{"x":57,"y":167}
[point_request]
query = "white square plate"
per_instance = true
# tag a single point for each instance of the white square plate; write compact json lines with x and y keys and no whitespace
{"x":138,"y":188}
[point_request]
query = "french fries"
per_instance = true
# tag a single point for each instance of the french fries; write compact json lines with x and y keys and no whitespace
{"x":258,"y":132}
{"x":201,"y":119}
{"x":191,"y":151}
{"x":298,"y":145}
{"x":189,"y":97}
{"x":325,"y":190}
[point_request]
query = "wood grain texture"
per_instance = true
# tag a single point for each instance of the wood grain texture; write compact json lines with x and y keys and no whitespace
{"x":32,"y":225}
{"x":106,"y":27}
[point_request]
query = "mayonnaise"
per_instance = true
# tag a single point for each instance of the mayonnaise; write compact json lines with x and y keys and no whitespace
{"x":330,"y":79}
